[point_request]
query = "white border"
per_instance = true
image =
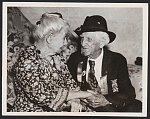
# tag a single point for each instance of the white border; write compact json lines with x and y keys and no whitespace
{"x":60,"y":4}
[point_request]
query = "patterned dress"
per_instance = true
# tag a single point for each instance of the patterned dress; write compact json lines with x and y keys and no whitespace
{"x":41,"y":84}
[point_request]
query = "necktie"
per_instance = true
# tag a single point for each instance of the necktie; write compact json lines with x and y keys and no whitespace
{"x":91,"y":76}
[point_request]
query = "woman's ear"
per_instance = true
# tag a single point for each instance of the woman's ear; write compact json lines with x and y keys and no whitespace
{"x":49,"y":36}
{"x":48,"y":39}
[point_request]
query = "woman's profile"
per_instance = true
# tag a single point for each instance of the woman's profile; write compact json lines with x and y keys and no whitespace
{"x":42,"y":81}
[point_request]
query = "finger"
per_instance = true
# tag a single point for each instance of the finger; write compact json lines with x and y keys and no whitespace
{"x":90,"y":98}
{"x":80,"y":109}
{"x":88,"y":102}
{"x":77,"y":108}
{"x":72,"y":107}
{"x":84,"y":100}
{"x":94,"y":106}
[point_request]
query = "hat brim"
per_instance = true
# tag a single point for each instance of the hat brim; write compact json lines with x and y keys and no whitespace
{"x":72,"y":35}
{"x":112,"y":35}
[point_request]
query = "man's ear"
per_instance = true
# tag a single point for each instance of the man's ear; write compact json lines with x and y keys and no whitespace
{"x":102,"y":45}
{"x":104,"y":42}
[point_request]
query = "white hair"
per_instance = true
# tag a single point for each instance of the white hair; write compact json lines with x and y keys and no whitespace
{"x":104,"y":38}
{"x":50,"y":25}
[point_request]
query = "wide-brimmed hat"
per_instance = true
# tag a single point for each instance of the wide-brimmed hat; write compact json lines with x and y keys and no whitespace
{"x":95,"y":23}
{"x":72,"y":34}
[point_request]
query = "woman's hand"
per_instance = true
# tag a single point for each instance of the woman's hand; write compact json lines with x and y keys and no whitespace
{"x":75,"y":105}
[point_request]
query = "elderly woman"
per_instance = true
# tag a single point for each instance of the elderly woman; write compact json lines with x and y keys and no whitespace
{"x":43,"y":82}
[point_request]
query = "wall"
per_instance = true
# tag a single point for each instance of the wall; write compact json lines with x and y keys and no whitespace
{"x":18,"y":32}
{"x":125,"y":22}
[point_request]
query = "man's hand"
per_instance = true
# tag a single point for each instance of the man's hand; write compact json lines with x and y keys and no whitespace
{"x":97,"y":100}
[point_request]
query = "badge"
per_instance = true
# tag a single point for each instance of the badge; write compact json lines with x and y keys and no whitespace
{"x":79,"y":72}
{"x":114,"y":85}
{"x":103,"y":84}
{"x":83,"y":73}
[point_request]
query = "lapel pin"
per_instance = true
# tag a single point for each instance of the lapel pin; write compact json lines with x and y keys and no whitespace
{"x":83,"y":73}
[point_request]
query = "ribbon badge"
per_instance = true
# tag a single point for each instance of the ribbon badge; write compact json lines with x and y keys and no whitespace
{"x":83,"y":73}
{"x":79,"y":72}
{"x":114,"y":85}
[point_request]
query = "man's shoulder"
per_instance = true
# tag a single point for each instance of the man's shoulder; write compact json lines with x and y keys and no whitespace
{"x":74,"y":59}
{"x":115,"y":55}
{"x":77,"y":57}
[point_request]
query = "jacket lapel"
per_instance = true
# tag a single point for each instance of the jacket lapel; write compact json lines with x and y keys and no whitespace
{"x":84,"y":85}
{"x":106,"y":68}
{"x":105,"y":62}
{"x":84,"y":63}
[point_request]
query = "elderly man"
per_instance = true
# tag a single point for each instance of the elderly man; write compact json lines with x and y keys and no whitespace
{"x":102,"y":72}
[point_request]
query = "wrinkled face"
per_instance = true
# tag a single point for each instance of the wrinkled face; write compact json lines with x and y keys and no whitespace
{"x":91,"y":43}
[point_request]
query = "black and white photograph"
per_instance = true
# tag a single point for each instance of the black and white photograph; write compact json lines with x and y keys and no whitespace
{"x":80,"y":59}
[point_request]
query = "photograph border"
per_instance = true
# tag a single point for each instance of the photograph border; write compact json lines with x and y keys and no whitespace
{"x":61,"y":4}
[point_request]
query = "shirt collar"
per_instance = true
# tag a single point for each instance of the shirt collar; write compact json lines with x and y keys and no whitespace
{"x":98,"y":58}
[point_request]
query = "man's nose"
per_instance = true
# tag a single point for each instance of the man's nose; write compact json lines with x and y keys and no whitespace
{"x":83,"y":42}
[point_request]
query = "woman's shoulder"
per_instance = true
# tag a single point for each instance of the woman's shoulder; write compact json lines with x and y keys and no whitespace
{"x":29,"y":50}
{"x":31,"y":61}
{"x":28,"y":53}
{"x":32,"y":54}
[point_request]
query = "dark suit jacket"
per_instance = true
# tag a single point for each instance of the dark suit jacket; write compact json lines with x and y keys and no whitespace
{"x":114,"y":65}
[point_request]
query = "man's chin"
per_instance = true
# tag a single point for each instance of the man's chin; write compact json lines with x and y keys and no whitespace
{"x":84,"y":53}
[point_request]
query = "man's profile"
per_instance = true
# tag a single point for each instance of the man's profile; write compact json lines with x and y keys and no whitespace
{"x":106,"y":72}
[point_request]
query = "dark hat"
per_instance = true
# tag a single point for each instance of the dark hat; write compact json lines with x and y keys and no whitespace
{"x":95,"y":23}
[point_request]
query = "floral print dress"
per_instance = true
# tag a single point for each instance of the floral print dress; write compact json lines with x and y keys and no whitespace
{"x":41,"y":84}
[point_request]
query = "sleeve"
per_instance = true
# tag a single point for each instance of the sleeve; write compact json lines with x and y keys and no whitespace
{"x":37,"y":83}
{"x":61,"y":66}
{"x":126,"y":90}
{"x":70,"y":82}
